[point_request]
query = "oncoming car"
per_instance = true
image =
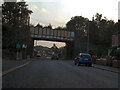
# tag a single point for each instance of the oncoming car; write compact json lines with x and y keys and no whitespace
{"x":55,"y":56}
{"x":38,"y":55}
{"x":83,"y":58}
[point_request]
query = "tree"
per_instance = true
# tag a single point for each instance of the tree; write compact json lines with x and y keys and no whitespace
{"x":15,"y":13}
{"x":98,"y":17}
{"x":93,"y":32}
{"x":15,"y":19}
{"x":105,"y":29}
{"x":79,"y":25}
{"x":100,"y":33}
{"x":50,"y":26}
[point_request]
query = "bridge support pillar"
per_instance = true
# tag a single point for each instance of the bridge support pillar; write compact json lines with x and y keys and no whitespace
{"x":70,"y":50}
{"x":31,"y":49}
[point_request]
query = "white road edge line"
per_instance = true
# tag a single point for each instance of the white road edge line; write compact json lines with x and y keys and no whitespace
{"x":13,"y":69}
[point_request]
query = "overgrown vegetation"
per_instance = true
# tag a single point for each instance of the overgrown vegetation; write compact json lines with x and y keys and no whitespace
{"x":100,"y":33}
{"x":15,"y":25}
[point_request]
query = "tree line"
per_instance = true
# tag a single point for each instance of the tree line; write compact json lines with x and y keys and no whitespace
{"x":15,"y":25}
{"x":100,"y":31}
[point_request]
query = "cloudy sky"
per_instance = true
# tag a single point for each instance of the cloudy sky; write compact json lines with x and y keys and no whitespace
{"x":59,"y":12}
{"x":49,"y":13}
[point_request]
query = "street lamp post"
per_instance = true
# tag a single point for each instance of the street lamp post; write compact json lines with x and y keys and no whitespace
{"x":118,"y":24}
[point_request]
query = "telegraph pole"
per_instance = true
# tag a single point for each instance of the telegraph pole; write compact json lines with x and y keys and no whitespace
{"x":118,"y":24}
{"x":118,"y":31}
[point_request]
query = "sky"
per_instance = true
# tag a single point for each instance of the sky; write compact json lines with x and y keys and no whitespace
{"x":59,"y":12}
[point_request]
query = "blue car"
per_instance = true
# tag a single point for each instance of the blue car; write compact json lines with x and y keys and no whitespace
{"x":83,"y":58}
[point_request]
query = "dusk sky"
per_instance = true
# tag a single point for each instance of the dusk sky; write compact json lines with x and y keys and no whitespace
{"x":59,"y":12}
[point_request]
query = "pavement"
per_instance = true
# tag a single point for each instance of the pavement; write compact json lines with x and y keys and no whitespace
{"x":108,"y":68}
{"x":12,"y":65}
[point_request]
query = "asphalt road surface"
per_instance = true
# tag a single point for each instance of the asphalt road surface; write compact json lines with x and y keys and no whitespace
{"x":59,"y":74}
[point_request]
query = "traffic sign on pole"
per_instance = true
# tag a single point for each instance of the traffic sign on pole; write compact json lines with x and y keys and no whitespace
{"x":72,"y":34}
{"x":18,"y":45}
{"x":24,"y":46}
{"x":17,"y":54}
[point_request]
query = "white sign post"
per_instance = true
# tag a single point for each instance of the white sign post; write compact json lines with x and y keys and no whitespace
{"x":17,"y":54}
{"x":24,"y":46}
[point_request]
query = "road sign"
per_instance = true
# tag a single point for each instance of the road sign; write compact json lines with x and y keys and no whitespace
{"x":18,"y":45}
{"x":24,"y":46}
{"x":72,"y":34}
